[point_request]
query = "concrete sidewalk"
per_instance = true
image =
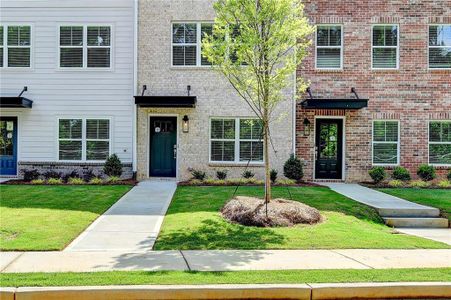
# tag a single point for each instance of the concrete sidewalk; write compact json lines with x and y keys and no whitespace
{"x":223,"y":260}
{"x":132,"y":224}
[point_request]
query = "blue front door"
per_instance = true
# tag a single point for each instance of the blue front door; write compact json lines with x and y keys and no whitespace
{"x":8,"y":146}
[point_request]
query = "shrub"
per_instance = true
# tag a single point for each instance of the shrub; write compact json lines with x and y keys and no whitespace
{"x":401,"y":173}
{"x":286,"y":182}
{"x":30,"y":175}
{"x":73,"y":174}
{"x":449,"y":175}
{"x":195,"y":182}
{"x":113,"y":179}
{"x":273,"y":175}
{"x":198,"y":174}
{"x":419,"y":184}
{"x":292,"y":169}
{"x":426,"y":172}
{"x":395,"y":183}
{"x":113,"y":166}
{"x":248,"y":174}
{"x":75,"y":180}
{"x":37,"y":181}
{"x":89,"y":175}
{"x":444,"y":184}
{"x":54,"y":181}
{"x":52,"y":175}
{"x":212,"y":181}
{"x":96,"y":180}
{"x":221,"y":174}
{"x":377,"y":174}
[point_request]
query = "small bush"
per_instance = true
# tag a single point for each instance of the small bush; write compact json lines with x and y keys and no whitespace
{"x":292,"y":169}
{"x":198,"y":174}
{"x":89,"y":175}
{"x":444,"y":184}
{"x":37,"y":181}
{"x":449,"y":175}
{"x":212,"y":181}
{"x":286,"y":182}
{"x":418,"y":184}
{"x":401,"y":173}
{"x":96,"y":180}
{"x":54,"y":181}
{"x":52,"y":175}
{"x":113,"y":179}
{"x":73,"y":174}
{"x":426,"y":172}
{"x":395,"y":183}
{"x":221,"y":174}
{"x":30,"y":175}
{"x":195,"y":182}
{"x":377,"y":174}
{"x":273,"y":175}
{"x":113,"y":166}
{"x":75,"y":180}
{"x":248,"y":174}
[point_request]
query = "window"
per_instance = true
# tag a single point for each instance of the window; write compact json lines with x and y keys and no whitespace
{"x":440,"y":142}
{"x":236,"y":140}
{"x":187,"y":43}
{"x":385,"y":47}
{"x":440,"y":46}
{"x":15,"y":46}
{"x":329,"y":44}
{"x":85,"y":46}
{"x":84,"y":139}
{"x":385,"y":142}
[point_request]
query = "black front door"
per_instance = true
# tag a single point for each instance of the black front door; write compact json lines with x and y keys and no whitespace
{"x":329,"y":148}
{"x":163,"y":146}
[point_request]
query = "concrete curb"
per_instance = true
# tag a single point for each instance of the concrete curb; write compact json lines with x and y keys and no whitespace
{"x":400,"y":290}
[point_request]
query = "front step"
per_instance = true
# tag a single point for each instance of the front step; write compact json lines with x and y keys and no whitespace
{"x":427,"y":212}
{"x":416,"y":222}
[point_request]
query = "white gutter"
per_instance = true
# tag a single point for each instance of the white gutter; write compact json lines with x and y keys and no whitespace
{"x":135,"y":85}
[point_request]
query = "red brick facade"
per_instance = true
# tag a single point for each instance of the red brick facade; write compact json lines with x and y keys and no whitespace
{"x":412,"y":94}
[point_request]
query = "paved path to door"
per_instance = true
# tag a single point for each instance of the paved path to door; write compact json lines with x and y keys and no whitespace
{"x":223,"y":260}
{"x":132,"y":224}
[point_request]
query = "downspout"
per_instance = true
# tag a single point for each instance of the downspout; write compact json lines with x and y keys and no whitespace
{"x":135,"y":87}
{"x":294,"y":113}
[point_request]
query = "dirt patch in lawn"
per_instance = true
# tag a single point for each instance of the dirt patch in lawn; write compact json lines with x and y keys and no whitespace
{"x":250,"y":211}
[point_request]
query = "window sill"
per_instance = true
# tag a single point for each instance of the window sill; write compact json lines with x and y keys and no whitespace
{"x":190,"y":68}
{"x":237,"y":164}
{"x":329,"y":70}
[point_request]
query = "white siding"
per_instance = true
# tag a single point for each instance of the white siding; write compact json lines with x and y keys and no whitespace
{"x":70,"y":93}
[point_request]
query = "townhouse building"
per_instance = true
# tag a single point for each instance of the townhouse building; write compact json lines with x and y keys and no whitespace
{"x":66,"y":84}
{"x":380,"y":88}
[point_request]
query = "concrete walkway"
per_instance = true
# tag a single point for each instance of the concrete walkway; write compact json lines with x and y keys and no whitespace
{"x":223,"y":260}
{"x":132,"y":224}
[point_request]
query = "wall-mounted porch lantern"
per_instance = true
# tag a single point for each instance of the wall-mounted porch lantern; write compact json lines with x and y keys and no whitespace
{"x":185,"y":124}
{"x":306,"y":127}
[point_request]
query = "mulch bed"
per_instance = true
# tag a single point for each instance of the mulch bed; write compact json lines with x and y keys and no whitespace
{"x":385,"y":185}
{"x":22,"y":182}
{"x":301,"y":184}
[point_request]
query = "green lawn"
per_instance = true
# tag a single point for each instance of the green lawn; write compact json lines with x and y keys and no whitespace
{"x":439,"y":198}
{"x":239,"y":277}
{"x":193,"y":221}
{"x":50,"y":217}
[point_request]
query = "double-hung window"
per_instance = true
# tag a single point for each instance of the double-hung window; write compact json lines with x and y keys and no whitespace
{"x":385,"y":47}
{"x":83,"y":139}
{"x":385,"y":142}
{"x":187,"y":43}
{"x":440,"y":142}
{"x":15,"y":46}
{"x":85,"y":46}
{"x":236,"y":140}
{"x":440,"y":46}
{"x":329,"y":47}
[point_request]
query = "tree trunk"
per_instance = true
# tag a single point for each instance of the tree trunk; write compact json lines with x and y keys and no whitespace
{"x":266,"y":158}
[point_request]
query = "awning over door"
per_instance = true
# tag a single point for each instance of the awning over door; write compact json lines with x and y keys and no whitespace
{"x":343,"y":103}
{"x":15,"y":102}
{"x":166,"y":101}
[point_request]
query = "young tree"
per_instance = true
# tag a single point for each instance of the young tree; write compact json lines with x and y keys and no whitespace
{"x":257,"y":45}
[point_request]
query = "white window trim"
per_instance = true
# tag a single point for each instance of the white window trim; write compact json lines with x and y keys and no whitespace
{"x":5,"y":47}
{"x":237,"y":141}
{"x":85,"y":47}
{"x":386,"y":47}
{"x":198,"y":44}
{"x":440,"y":143}
{"x":83,"y":139}
{"x":398,"y":148}
{"x":341,"y":47}
{"x":429,"y":47}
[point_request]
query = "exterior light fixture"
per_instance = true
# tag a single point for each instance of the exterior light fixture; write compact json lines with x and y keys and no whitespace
{"x":306,"y":127}
{"x":185,"y":124}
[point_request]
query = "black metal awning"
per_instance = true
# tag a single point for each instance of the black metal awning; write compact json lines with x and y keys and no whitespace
{"x":166,"y":101}
{"x":15,"y":102}
{"x":347,"y":103}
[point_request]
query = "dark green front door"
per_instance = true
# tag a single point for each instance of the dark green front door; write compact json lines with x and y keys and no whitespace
{"x":163,"y":146}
